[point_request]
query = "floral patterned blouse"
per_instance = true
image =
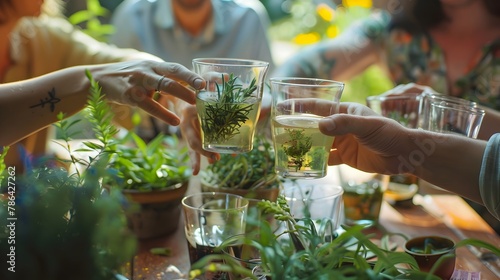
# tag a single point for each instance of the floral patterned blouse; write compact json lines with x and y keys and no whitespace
{"x":417,"y":58}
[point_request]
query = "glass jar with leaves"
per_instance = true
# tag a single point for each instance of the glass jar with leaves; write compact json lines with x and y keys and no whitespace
{"x":229,"y":106}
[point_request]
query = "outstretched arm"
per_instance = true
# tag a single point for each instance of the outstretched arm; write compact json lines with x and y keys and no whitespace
{"x":339,"y":59}
{"x":30,"y":105}
{"x":377,"y":144}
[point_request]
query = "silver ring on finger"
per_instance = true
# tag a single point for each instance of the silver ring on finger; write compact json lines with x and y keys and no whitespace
{"x":159,"y":83}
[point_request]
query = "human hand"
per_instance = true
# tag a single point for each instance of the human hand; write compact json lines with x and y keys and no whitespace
{"x":136,"y":82}
{"x":191,"y":132}
{"x":365,"y":140}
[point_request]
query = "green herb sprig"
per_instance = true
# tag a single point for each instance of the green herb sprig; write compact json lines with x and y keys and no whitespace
{"x":224,"y":117}
{"x":299,"y":146}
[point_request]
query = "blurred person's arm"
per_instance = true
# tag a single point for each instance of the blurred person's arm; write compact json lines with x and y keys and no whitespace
{"x":340,"y":58}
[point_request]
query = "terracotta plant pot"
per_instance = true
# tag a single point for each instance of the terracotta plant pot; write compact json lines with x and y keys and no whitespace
{"x":426,"y":260}
{"x":159,"y":211}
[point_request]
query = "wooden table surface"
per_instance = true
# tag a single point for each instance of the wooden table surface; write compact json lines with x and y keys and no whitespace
{"x":443,"y":214}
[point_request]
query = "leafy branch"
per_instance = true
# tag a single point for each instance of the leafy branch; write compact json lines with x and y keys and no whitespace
{"x":299,"y":145}
{"x":100,"y":116}
{"x":225,"y":116}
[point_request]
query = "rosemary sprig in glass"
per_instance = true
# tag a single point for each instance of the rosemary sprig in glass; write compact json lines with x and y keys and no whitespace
{"x":299,"y":146}
{"x":229,"y":112}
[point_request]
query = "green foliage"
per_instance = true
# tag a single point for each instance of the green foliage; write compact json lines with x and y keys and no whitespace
{"x":224,"y":117}
{"x":66,"y":227}
{"x":100,"y":116}
{"x":131,"y":163}
{"x":252,"y":170}
{"x":159,"y":164}
{"x":304,"y":251}
{"x":90,"y":21}
{"x":3,"y":154}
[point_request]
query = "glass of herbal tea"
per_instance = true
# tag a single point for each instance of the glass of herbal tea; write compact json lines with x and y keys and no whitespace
{"x":211,"y":218}
{"x":298,"y":104}
{"x":229,"y":106}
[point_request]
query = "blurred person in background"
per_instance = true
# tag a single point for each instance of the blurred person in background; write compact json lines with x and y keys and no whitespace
{"x":181,"y":30}
{"x":451,"y":46}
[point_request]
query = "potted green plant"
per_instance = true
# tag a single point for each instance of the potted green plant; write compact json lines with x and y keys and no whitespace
{"x":154,"y":175}
{"x":248,"y":174}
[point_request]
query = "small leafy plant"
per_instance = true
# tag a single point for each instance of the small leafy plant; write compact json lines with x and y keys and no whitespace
{"x":225,"y":116}
{"x":142,"y":166}
{"x":250,"y":171}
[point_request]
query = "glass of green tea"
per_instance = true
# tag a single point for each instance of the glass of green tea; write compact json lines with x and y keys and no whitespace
{"x":298,"y":104}
{"x":363,"y":195}
{"x":210,"y":218}
{"x":229,"y":106}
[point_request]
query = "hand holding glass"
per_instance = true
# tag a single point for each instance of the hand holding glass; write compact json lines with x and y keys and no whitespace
{"x":298,"y":105}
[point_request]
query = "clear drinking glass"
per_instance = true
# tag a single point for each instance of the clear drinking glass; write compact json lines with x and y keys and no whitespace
{"x":321,"y":203}
{"x":363,"y":195}
{"x":211,"y":218}
{"x":298,"y":105}
{"x":428,"y":98}
{"x":229,"y":106}
{"x":448,"y":117}
{"x":402,"y":108}
{"x":451,"y":115}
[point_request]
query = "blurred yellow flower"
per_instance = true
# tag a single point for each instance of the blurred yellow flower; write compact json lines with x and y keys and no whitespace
{"x":332,"y":31}
{"x":325,"y":12}
{"x":307,"y":38}
{"x":359,"y":3}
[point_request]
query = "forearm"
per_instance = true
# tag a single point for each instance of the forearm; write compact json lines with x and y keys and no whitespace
{"x":30,"y":105}
{"x":339,"y":59}
{"x":449,"y":161}
{"x":490,"y":124}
